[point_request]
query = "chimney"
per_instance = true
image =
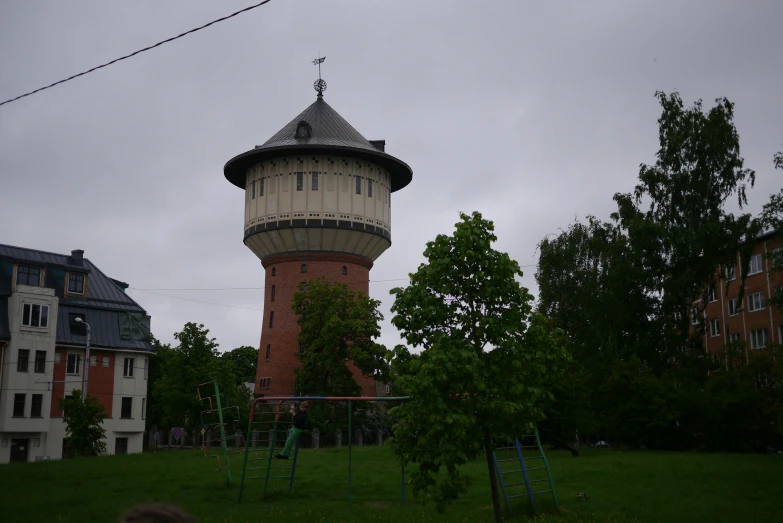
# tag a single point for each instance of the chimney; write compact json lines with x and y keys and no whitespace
{"x":379,"y":144}
{"x":77,"y":257}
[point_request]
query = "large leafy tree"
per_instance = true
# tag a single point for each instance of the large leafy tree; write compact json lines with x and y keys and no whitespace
{"x":84,"y":432}
{"x":193,"y":361}
{"x":337,"y":325}
{"x":245,"y":361}
{"x":772,"y":219}
{"x":486,"y":361}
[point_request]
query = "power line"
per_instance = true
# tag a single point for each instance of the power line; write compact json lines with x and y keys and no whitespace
{"x":200,"y":301}
{"x":139,"y":51}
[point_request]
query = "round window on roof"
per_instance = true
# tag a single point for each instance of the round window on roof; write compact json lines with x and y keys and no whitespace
{"x":303,"y":130}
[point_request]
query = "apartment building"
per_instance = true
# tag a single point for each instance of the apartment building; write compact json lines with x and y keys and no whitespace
{"x":751,"y":320}
{"x":47,"y":302}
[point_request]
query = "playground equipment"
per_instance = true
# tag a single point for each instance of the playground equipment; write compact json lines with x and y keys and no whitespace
{"x":516,"y":475}
{"x":265,"y":419}
{"x":217,"y":408}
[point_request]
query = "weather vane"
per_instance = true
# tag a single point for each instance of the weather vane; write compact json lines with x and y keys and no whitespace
{"x":319,"y":85}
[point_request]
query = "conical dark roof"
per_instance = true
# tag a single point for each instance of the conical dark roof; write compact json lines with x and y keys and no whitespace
{"x":328,"y":132}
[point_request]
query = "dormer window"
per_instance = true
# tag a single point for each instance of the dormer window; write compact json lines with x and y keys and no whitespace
{"x":303,"y":130}
{"x":26,"y":275}
{"x":75,"y":283}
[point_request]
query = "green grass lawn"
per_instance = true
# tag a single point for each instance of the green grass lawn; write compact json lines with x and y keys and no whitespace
{"x":620,"y":486}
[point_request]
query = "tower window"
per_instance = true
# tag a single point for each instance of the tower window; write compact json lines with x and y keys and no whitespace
{"x":272,"y":294}
{"x":315,"y":180}
{"x":299,"y":181}
{"x":271,"y":318}
{"x":358,"y":185}
{"x":345,"y":269}
{"x":301,"y":348}
{"x":304,"y":267}
{"x":274,"y":271}
{"x":303,"y":287}
{"x":253,"y":191}
{"x":261,"y":187}
{"x":268,"y":351}
{"x":369,"y":188}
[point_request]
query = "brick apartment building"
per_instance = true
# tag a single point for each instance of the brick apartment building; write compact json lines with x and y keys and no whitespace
{"x":42,"y":352}
{"x":753,"y":320}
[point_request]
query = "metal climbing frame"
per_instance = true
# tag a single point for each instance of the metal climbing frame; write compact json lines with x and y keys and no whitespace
{"x":515,"y":460}
{"x":218,"y":408}
{"x":268,"y":417}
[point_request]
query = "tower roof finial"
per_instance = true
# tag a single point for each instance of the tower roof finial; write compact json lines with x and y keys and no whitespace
{"x":319,"y":85}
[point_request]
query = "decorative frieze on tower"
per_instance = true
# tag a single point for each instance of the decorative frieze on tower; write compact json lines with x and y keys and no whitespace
{"x":317,"y":202}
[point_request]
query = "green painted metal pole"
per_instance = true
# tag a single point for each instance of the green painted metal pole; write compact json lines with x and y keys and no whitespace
{"x":222,"y":433}
{"x":247,"y":451}
{"x":350,"y":440}
{"x":548,"y":472}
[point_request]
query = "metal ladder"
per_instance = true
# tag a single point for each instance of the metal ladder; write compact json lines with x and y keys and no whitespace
{"x":259,"y":461}
{"x":519,"y":472}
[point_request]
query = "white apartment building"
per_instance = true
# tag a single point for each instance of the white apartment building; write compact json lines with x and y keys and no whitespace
{"x":42,"y":352}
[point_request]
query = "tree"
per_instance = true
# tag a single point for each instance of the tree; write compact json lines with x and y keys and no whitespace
{"x":194,"y":361}
{"x":245,"y":360}
{"x":336,"y":324}
{"x":772,"y":219}
{"x":84,"y":432}
{"x":481,"y":375}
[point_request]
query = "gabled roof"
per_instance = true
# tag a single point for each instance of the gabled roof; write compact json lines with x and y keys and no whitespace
{"x":329,"y":133}
{"x":103,"y":305}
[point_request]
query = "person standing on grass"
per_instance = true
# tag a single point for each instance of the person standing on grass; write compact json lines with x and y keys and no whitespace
{"x":300,"y":418}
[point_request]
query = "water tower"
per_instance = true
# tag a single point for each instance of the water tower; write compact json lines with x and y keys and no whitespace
{"x":317,"y":202}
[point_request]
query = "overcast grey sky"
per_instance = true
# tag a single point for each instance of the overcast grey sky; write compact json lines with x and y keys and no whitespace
{"x":530,"y":112}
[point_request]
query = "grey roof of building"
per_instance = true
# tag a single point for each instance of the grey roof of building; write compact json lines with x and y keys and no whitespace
{"x":102,"y":304}
{"x":330,"y":133}
{"x":5,"y":332}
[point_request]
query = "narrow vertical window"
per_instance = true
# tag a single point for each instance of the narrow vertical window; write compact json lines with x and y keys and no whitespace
{"x":271,"y":318}
{"x":301,"y":348}
{"x":261,"y":186}
{"x":303,"y":268}
{"x":274,"y":271}
{"x":143,"y":408}
{"x":299,"y":181}
{"x":315,"y":180}
{"x":253,"y":191}
{"x":345,"y":269}
{"x":358,"y":185}
{"x":268,"y":351}
{"x":369,"y":188}
{"x":272,"y":294}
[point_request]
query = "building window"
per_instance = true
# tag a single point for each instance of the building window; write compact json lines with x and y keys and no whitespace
{"x":713,"y":294}
{"x":755,"y":264}
{"x":758,"y":339}
{"x":315,"y":180}
{"x":369,"y":188}
{"x":76,"y":283}
{"x":358,"y":185}
{"x":731,"y":273}
{"x":733,"y":307}
{"x":105,"y":361}
{"x":777,"y":258}
{"x":264,"y":383}
{"x":303,"y":287}
{"x":345,"y":269}
{"x":40,"y":362}
{"x":299,"y":181}
{"x":74,"y":364}
{"x":271,"y":318}
{"x":272,"y":294}
{"x":303,"y":268}
{"x":261,"y":187}
{"x":268,"y":352}
{"x":26,"y":275}
{"x":301,"y":348}
{"x":22,"y":359}
{"x":388,"y":389}
{"x":120,"y":446}
{"x":274,"y":271}
{"x":127,"y":408}
{"x":734,"y":337}
{"x":35,"y":315}
{"x":143,"y":408}
{"x":93,"y":361}
{"x":37,"y":406}
{"x":19,"y":401}
{"x":715,"y":328}
{"x":695,"y":316}
{"x":755,"y":301}
{"x":128,"y":370}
